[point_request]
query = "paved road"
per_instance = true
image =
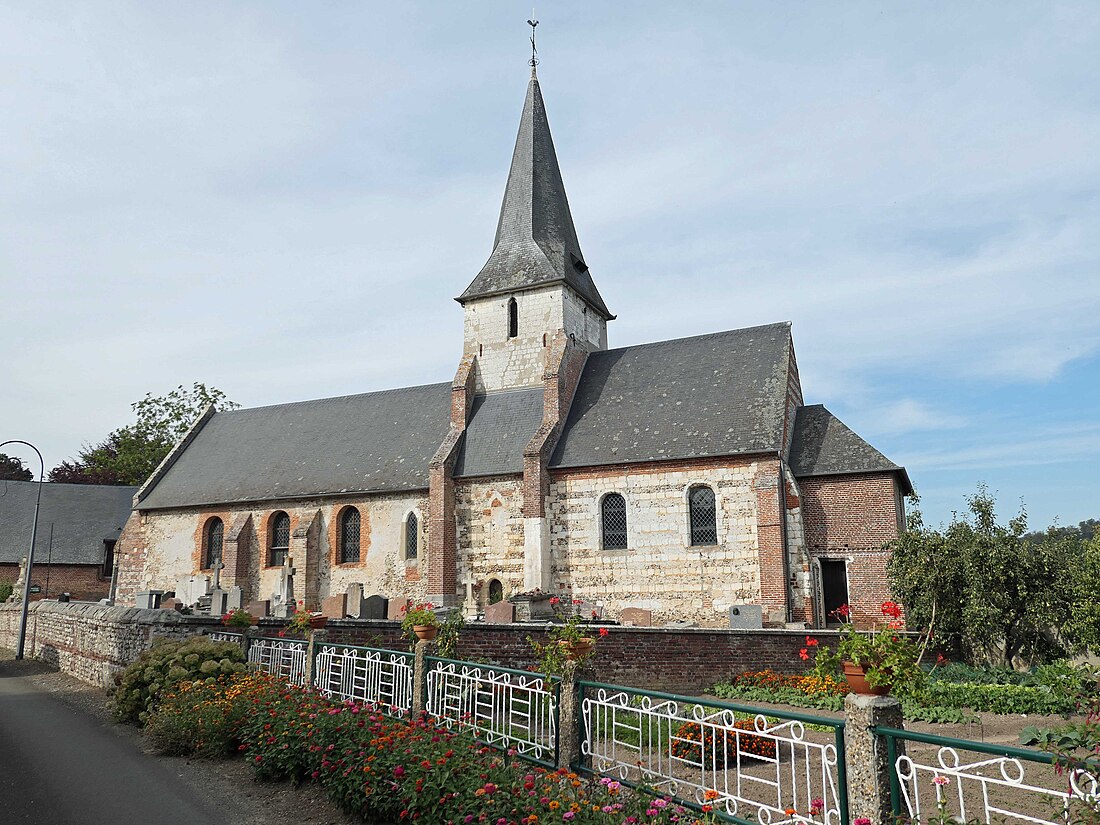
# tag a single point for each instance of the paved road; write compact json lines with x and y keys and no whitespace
{"x":59,"y":765}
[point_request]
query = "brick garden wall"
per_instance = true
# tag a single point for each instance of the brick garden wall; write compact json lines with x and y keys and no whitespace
{"x":94,"y":642}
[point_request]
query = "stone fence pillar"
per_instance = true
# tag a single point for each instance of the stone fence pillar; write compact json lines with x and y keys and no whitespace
{"x":866,"y":759}
{"x":420,"y":681}
{"x":569,"y":713}
{"x":316,"y":639}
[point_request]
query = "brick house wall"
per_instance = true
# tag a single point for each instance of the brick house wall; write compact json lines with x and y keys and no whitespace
{"x":85,"y":582}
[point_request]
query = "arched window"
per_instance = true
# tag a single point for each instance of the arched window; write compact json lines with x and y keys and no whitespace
{"x":213,"y":541}
{"x":701,"y":513}
{"x":613,"y":521}
{"x":278,"y":542}
{"x":349,"y":536}
{"x":513,"y":318}
{"x":412,"y":536}
{"x":496,"y":591}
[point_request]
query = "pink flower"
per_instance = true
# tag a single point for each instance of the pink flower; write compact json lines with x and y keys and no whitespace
{"x":941,"y":781}
{"x":861,"y":820}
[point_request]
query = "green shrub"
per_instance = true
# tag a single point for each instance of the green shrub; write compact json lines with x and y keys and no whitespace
{"x":166,"y":664}
{"x":5,"y":591}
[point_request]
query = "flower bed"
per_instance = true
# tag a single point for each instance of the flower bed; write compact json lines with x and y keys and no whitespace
{"x":386,"y":769}
{"x":689,"y":737}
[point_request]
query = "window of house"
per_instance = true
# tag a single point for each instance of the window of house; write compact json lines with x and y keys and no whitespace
{"x":496,"y":591}
{"x":412,"y":536}
{"x":702,"y":515}
{"x":108,"y":558}
{"x":513,"y":318}
{"x":613,"y":521}
{"x":349,"y":536}
{"x":279,"y":540}
{"x":213,"y":543}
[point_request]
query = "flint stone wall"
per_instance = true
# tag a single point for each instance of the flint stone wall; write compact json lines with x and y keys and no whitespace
{"x":91,"y":641}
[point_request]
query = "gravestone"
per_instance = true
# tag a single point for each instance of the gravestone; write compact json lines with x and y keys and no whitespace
{"x":259,"y":609}
{"x":500,"y":613}
{"x":393,"y":609}
{"x":635,"y":617}
{"x":148,"y":599}
{"x":236,"y":598}
{"x":354,"y":603}
{"x":746,"y":616}
{"x":374,"y":607}
{"x":183,"y":589}
{"x":219,"y":602}
{"x":681,"y":624}
{"x":171,"y":604}
{"x":532,"y":607}
{"x":335,"y":607}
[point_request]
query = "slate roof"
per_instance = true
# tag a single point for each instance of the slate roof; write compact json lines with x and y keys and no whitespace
{"x":710,"y":395}
{"x":822,"y":445}
{"x":536,"y":242}
{"x":500,"y":426}
{"x":81,"y":517}
{"x":379,"y":441}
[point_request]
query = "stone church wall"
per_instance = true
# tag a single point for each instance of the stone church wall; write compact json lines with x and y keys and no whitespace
{"x":489,"y":513}
{"x":161,"y":547}
{"x":659,"y":570}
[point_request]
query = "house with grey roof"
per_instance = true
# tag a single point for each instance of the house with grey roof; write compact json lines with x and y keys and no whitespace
{"x":78,"y":527}
{"x":681,"y":477}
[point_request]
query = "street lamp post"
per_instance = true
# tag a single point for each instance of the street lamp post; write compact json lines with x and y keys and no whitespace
{"x":30,"y":553}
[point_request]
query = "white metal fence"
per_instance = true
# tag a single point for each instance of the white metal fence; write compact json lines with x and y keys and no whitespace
{"x":381,"y":677}
{"x":511,"y":709}
{"x":729,"y":758}
{"x":285,"y":658}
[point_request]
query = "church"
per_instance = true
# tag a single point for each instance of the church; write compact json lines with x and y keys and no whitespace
{"x":685,"y":478}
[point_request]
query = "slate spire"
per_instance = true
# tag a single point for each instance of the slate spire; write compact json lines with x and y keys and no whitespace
{"x":536,"y":243}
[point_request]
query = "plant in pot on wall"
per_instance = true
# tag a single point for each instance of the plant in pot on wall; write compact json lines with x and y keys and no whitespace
{"x":569,"y":641}
{"x":302,"y":621}
{"x":873,"y":662}
{"x":238,"y":617}
{"x":420,"y":621}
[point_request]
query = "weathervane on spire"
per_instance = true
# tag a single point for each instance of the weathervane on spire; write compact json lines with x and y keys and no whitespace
{"x":534,"y":61}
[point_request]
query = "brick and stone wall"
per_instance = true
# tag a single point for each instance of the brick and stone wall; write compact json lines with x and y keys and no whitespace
{"x":81,"y":581}
{"x":489,"y":516}
{"x":659,"y":570}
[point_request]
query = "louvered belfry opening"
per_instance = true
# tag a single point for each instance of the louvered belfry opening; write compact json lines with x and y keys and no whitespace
{"x":613,"y":518}
{"x":349,"y":536}
{"x":704,"y":527}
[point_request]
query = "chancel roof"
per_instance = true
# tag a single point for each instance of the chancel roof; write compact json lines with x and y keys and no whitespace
{"x":709,"y":395}
{"x":823,"y":445}
{"x":536,"y":242}
{"x":73,"y":520}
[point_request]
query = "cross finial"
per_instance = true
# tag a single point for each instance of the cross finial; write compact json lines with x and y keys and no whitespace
{"x":534,"y":61}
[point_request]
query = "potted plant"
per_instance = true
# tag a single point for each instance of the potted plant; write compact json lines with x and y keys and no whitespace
{"x":421,"y":621}
{"x":238,"y":617}
{"x":569,"y":641}
{"x":873,"y":662}
{"x":302,"y":621}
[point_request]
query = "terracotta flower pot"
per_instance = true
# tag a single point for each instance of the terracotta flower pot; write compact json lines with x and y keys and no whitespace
{"x":425,"y":632}
{"x":578,"y":649}
{"x":856,"y":676}
{"x":317,"y":622}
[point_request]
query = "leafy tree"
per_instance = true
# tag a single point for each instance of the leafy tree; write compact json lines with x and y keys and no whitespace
{"x":983,"y":589}
{"x":131,"y":453}
{"x":13,"y":469}
{"x":1082,"y":628}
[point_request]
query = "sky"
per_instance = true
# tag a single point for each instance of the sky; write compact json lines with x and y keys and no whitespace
{"x":281,"y":200}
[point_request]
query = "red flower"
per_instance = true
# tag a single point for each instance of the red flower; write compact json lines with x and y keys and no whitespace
{"x":891,"y":609}
{"x":554,"y":600}
{"x":811,"y":641}
{"x":603,"y":631}
{"x":843,"y":611}
{"x":804,"y":654}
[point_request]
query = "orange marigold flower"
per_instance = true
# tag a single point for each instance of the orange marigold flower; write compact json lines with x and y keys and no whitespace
{"x":710,"y":795}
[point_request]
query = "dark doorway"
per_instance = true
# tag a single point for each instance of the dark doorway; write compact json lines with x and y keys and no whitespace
{"x":834,"y":589}
{"x":496,"y":591}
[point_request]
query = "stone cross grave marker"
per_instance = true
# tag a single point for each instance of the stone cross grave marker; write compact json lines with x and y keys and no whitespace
{"x":469,"y":603}
{"x":282,"y":600}
{"x":218,"y":574}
